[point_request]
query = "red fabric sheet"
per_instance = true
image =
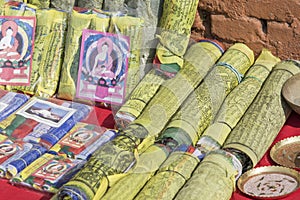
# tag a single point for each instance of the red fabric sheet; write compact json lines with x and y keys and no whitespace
{"x":105,"y":118}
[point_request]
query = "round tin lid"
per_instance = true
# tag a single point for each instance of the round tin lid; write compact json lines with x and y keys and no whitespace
{"x":270,"y":182}
{"x":286,"y":152}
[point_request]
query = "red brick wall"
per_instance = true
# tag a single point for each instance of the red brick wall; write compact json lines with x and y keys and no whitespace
{"x":273,"y":24}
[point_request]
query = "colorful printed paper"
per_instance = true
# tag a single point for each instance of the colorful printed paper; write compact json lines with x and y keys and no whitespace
{"x":103,"y":67}
{"x":16,"y":48}
{"x":82,"y":140}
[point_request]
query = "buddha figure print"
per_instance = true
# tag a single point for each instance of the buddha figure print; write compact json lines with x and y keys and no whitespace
{"x":103,"y":67}
{"x":16,"y":48}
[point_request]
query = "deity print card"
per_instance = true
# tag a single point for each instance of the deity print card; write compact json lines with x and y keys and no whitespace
{"x":46,"y":112}
{"x":16,"y":48}
{"x":103,"y":67}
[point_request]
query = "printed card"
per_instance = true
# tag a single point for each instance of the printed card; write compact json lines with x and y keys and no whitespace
{"x":16,"y":48}
{"x":46,"y":112}
{"x":103,"y":67}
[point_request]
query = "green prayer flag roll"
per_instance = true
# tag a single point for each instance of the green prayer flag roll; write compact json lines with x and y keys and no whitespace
{"x":147,"y":164}
{"x":256,"y":131}
{"x":238,"y":101}
{"x":170,"y":177}
{"x":175,"y":24}
{"x":199,"y":109}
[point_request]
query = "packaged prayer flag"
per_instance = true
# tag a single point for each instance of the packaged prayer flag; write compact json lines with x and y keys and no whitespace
{"x":48,"y":173}
{"x":82,"y":140}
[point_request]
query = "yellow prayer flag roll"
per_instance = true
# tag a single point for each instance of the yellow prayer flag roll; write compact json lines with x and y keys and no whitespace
{"x":256,"y":131}
{"x":214,"y":178}
{"x":176,"y":22}
{"x":199,"y":109}
{"x":78,"y":22}
{"x":147,"y":164}
{"x":238,"y":101}
{"x":131,"y":27}
{"x":199,"y":59}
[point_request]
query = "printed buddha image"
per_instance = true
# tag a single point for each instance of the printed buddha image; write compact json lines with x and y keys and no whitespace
{"x":9,"y":43}
{"x":7,"y":149}
{"x":103,"y":61}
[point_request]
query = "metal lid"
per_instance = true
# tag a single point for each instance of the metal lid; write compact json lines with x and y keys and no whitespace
{"x":286,"y":152}
{"x":270,"y":182}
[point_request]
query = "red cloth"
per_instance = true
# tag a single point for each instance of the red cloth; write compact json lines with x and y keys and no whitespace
{"x":104,"y":118}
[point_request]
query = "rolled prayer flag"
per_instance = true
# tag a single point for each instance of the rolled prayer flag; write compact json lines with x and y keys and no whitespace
{"x":247,"y":142}
{"x":150,"y":85}
{"x":199,"y":109}
{"x":173,"y":92}
{"x":138,"y":99}
{"x":267,"y":114}
{"x":150,"y":11}
{"x":237,"y":102}
{"x":131,"y":27}
{"x":146,"y":166}
{"x":175,"y":24}
{"x":170,"y":177}
{"x":69,"y":71}
{"x":214,"y":178}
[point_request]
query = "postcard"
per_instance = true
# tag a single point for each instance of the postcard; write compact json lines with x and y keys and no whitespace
{"x":16,"y":48}
{"x":103,"y":67}
{"x":46,"y":112}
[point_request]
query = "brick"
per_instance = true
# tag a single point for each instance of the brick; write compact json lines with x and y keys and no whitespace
{"x":277,"y":10}
{"x":239,"y":30}
{"x":285,"y":39}
{"x":231,"y":8}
